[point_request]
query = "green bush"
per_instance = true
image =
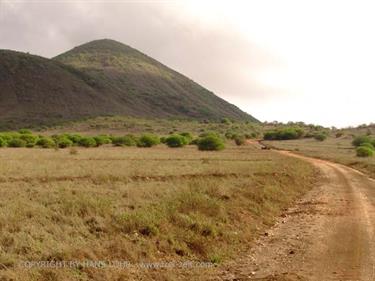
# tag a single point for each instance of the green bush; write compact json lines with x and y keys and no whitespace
{"x":128,"y":140}
{"x":101,"y":140}
{"x":30,"y":140}
{"x":62,"y":141}
{"x":17,"y":142}
{"x":176,"y":141}
{"x":369,"y":145}
{"x":320,"y":136}
{"x":188,"y":136}
{"x":359,"y":140}
{"x":284,"y":134}
{"x":364,"y":151}
{"x":148,"y":141}
{"x":240,"y":140}
{"x":75,"y":138}
{"x":46,"y":142}
{"x":87,"y":142}
{"x":9,"y":136}
{"x":211,"y":142}
{"x":3,"y":142}
{"x":24,"y":131}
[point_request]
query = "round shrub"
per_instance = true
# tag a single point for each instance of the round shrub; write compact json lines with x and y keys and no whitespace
{"x":358,"y":141}
{"x":176,"y":141}
{"x":9,"y":136}
{"x":75,"y":138}
{"x":101,"y":140}
{"x":63,"y":141}
{"x":46,"y":142}
{"x":17,"y":142}
{"x":30,"y":140}
{"x":148,"y":141}
{"x":188,"y":136}
{"x":364,"y":151}
{"x":320,"y":137}
{"x":3,"y":142}
{"x":128,"y":140}
{"x":87,"y":142}
{"x":211,"y":142}
{"x":240,"y":140}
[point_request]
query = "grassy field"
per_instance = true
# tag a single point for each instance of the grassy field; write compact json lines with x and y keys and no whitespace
{"x":134,"y":204}
{"x":339,"y":150}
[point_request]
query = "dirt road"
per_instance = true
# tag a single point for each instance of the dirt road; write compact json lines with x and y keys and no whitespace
{"x":328,"y":235}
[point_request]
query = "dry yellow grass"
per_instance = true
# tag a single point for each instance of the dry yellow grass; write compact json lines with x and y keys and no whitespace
{"x":339,"y":150}
{"x":133,"y":204}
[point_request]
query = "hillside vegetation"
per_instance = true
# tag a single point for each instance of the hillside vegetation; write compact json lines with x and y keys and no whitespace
{"x":36,"y":91}
{"x":148,"y":87}
{"x":100,"y":78}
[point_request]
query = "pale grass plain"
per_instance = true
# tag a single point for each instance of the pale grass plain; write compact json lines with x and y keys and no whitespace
{"x":339,"y":150}
{"x":139,"y":204}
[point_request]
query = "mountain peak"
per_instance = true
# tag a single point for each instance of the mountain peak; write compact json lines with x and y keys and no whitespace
{"x":102,"y":45}
{"x":101,"y":77}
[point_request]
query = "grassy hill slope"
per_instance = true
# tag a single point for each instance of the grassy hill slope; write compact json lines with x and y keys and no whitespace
{"x":35,"y":90}
{"x":152,"y":89}
{"x":100,"y":78}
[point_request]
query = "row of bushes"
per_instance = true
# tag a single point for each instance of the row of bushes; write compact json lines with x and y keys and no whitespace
{"x":208,"y":141}
{"x":290,"y":133}
{"x":293,"y":133}
{"x":365,"y":146}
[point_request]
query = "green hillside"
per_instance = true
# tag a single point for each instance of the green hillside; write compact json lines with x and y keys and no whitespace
{"x":151,"y":88}
{"x":100,"y":78}
{"x":37,"y":91}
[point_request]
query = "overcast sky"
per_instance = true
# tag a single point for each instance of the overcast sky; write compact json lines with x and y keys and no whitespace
{"x":311,"y":61}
